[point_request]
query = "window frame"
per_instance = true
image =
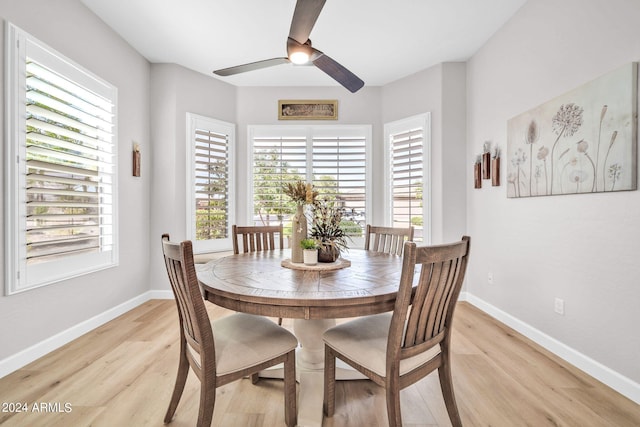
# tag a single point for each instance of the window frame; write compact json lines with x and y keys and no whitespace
{"x":19,"y":277}
{"x":310,"y":131}
{"x":422,"y":121}
{"x":224,"y":128}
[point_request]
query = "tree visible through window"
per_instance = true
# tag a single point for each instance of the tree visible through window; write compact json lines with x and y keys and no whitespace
{"x":276,"y":161}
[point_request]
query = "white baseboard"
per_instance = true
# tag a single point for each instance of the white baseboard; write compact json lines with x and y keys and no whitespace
{"x":28,"y":355}
{"x":611,"y":378}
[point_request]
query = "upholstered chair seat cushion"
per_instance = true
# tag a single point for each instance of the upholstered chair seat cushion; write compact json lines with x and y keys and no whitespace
{"x":364,"y":340}
{"x":243,"y":340}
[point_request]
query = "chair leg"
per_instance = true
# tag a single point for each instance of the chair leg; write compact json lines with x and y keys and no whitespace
{"x":290,"y":406}
{"x":181,"y":379}
{"x":329,"y":405}
{"x":255,"y":377}
{"x":207,"y":402}
{"x":392,"y":390}
{"x":446,"y":384}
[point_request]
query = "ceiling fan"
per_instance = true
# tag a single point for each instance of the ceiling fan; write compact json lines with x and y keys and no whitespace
{"x":300,"y":51}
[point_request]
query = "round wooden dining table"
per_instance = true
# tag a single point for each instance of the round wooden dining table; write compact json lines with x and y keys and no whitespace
{"x":267,"y":283}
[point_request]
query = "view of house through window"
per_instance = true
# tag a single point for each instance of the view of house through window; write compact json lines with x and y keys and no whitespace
{"x":339,"y":175}
{"x":62,"y":167}
{"x":406,"y":168}
{"x":332,"y":158}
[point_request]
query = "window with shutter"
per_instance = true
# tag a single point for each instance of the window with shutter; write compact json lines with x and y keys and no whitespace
{"x":407,"y":169}
{"x":62,"y":190}
{"x":333,"y":158}
{"x":277,"y":160}
{"x":339,"y":174}
{"x":210,"y":183}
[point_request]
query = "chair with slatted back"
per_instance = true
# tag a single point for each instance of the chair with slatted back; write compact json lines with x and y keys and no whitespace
{"x":244,"y":344}
{"x":257,"y":238}
{"x":387,"y":239}
{"x":399,"y":348}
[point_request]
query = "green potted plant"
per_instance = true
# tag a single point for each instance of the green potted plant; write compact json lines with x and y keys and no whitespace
{"x":309,"y":251}
{"x":328,"y":232}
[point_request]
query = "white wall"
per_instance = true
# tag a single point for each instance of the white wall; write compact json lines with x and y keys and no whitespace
{"x":33,"y":316}
{"x":583,"y":248}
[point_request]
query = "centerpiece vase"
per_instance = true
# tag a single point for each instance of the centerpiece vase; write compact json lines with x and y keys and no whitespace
{"x":328,"y":254}
{"x":298,"y":233}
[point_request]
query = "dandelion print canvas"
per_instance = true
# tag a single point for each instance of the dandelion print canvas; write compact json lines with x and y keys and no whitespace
{"x":581,"y":142}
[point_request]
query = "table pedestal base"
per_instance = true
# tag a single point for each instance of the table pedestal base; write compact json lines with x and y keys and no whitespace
{"x":310,"y":355}
{"x":310,"y":369}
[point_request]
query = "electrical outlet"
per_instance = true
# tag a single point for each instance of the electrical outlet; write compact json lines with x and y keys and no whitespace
{"x":559,"y":306}
{"x":490,"y":278}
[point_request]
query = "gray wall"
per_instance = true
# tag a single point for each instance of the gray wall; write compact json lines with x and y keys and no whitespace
{"x":176,"y":91}
{"x":441,"y":91}
{"x":583,"y":248}
{"x":67,"y":26}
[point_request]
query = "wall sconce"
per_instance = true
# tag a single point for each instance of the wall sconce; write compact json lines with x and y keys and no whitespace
{"x":136,"y":159}
{"x":495,"y":168}
{"x":487,"y":166}
{"x":486,"y":161}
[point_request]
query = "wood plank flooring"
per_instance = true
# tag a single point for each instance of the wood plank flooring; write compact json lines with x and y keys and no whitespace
{"x":122,"y":374}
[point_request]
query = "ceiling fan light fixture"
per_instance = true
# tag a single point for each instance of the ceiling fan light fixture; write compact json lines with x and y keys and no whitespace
{"x":299,"y":53}
{"x":299,"y":57}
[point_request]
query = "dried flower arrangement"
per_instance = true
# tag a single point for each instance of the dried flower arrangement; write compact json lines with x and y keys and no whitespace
{"x":300,"y":193}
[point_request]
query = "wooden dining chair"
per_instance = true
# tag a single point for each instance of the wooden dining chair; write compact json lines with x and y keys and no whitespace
{"x":243,"y":345}
{"x":397,"y":349}
{"x":387,"y":239}
{"x":257,"y":238}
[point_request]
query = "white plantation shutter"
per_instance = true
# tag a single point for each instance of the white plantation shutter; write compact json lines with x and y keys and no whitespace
{"x":407,"y":152}
{"x":277,"y":161}
{"x":407,"y":179}
{"x":210,"y":183}
{"x":333,"y":158}
{"x":69,"y":168}
{"x":211,"y":189}
{"x":63,"y":195}
{"x":339,"y":173}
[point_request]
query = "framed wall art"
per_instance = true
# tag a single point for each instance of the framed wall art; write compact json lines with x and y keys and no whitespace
{"x":308,"y":110}
{"x":584,"y":141}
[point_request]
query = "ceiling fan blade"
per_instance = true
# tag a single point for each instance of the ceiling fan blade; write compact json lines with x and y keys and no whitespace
{"x":304,"y":18}
{"x":336,"y":71}
{"x":251,"y":66}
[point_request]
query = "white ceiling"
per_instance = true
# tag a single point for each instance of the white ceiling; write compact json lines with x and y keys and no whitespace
{"x":379,"y":40}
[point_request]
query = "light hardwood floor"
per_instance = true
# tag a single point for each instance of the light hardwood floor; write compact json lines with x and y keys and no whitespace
{"x":122,"y":374}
